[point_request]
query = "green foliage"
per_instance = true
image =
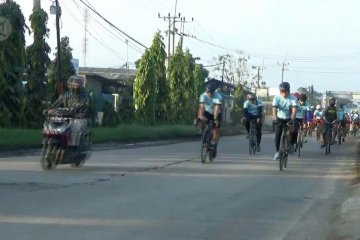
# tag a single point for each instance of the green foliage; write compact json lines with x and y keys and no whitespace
{"x":176,"y":85}
{"x":111,"y":117}
{"x":67,"y":69}
{"x":145,"y":90}
{"x":189,"y":87}
{"x":237,"y":111}
{"x":12,"y":61}
{"x":126,"y":106}
{"x":158,"y":56}
{"x":37,"y":61}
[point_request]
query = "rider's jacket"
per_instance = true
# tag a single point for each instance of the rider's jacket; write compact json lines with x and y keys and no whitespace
{"x":284,"y":105}
{"x":253,"y":110}
{"x":355,"y":117}
{"x":341,"y":114}
{"x":302,"y":110}
{"x":77,"y":102}
{"x":209,"y":102}
{"x":330,"y":114}
{"x":317,"y":114}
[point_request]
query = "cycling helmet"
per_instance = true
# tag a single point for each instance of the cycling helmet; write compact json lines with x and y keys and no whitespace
{"x":284,"y":86}
{"x":251,"y":96}
{"x":297,"y":95}
{"x":303,"y":97}
{"x":210,"y":88}
{"x":318,"y":107}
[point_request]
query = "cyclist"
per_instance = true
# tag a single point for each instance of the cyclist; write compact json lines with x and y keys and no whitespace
{"x":253,"y":109}
{"x":302,"y":109}
{"x":210,"y":109}
{"x":330,"y":115}
{"x":309,"y":119}
{"x":342,"y":120}
{"x":284,"y":111}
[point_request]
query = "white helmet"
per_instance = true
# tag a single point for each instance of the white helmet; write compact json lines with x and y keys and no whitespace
{"x":318,"y":107}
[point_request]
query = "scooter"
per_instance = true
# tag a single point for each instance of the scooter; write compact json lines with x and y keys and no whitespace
{"x":57,"y":136}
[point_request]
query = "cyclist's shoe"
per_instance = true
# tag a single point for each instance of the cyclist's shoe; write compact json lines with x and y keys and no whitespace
{"x":276,"y":156}
{"x":258,"y":148}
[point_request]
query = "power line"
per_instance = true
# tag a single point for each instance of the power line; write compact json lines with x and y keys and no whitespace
{"x":136,"y":48}
{"x":101,"y":42}
{"x":112,"y":25}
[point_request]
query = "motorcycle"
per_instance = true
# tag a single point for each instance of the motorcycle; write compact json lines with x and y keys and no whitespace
{"x":58,"y":138}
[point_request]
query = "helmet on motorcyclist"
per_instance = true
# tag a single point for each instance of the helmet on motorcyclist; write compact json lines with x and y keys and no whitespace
{"x":75,"y":83}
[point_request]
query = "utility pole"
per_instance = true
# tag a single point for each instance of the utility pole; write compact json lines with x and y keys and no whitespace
{"x":37,"y":4}
{"x":182,"y":30}
{"x":55,"y":9}
{"x":223,"y":71}
{"x":169,"y":32}
{"x":283,"y":68}
{"x":85,"y":43}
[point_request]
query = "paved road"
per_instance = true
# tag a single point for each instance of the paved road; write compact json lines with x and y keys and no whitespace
{"x":164,"y":192}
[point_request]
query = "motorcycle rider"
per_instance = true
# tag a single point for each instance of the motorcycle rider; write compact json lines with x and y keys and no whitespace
{"x":77,"y":100}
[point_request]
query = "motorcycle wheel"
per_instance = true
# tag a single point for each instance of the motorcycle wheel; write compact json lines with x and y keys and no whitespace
{"x":47,"y":157}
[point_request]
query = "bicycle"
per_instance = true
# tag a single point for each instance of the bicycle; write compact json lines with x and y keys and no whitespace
{"x":284,"y":146}
{"x":300,"y":139}
{"x":252,"y":137}
{"x":329,"y":137}
{"x":206,"y":136}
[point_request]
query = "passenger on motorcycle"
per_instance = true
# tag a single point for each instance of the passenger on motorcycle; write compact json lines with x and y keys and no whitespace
{"x":77,"y":101}
{"x":253,"y":109}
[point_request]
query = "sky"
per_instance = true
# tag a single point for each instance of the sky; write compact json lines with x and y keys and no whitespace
{"x":317,"y":39}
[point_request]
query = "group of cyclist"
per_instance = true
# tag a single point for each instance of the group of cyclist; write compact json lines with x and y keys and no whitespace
{"x":287,"y":110}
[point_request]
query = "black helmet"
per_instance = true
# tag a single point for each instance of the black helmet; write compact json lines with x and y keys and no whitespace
{"x":210,"y":88}
{"x":303,"y":97}
{"x":251,"y":96}
{"x":284,"y":86}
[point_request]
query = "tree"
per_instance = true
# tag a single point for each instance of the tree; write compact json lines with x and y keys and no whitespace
{"x":12,"y":62}
{"x":145,"y":90}
{"x":67,"y":68}
{"x":158,"y":57}
{"x":189,"y":87}
{"x":176,"y":85}
{"x":37,"y":61}
{"x":237,"y":110}
{"x":232,"y":70}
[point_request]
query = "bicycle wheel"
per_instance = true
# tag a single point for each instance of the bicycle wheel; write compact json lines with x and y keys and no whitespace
{"x":285,"y":159}
{"x":204,"y":147}
{"x":328,"y":143}
{"x":281,"y":160}
{"x":339,"y":135}
{"x":298,"y":143}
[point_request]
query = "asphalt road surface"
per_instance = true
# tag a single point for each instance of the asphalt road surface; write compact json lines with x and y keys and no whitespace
{"x":165,"y":193}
